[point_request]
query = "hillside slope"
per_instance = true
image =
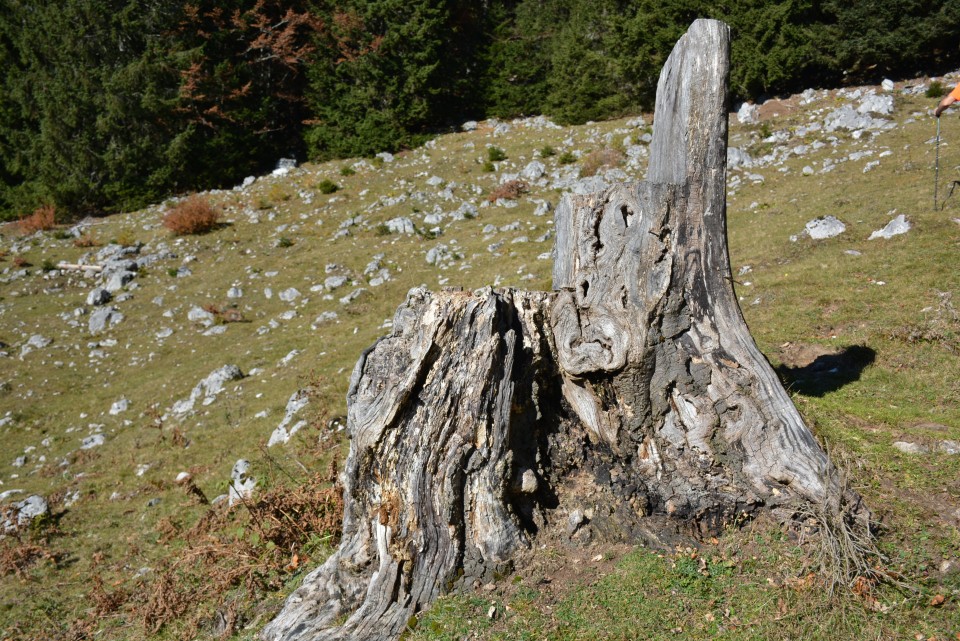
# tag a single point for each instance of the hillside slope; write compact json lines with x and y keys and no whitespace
{"x":104,"y":406}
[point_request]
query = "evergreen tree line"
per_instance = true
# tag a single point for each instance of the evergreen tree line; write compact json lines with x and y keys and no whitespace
{"x":107,"y":105}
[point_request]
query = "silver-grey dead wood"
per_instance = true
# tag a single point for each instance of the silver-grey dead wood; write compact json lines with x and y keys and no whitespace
{"x":632,"y":393}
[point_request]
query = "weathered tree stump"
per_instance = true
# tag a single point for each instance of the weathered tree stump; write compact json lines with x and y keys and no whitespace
{"x":631,"y":397}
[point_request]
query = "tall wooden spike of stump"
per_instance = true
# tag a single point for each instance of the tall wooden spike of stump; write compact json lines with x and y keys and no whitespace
{"x":630,"y":398}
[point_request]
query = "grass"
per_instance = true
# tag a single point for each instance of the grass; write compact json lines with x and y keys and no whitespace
{"x":804,"y":293}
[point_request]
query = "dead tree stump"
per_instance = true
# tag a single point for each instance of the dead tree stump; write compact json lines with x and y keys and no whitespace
{"x":630,"y":397}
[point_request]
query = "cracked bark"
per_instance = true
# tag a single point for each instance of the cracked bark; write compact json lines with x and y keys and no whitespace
{"x":628,"y":401}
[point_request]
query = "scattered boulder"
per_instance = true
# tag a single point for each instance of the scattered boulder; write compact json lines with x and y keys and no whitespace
{"x":949,"y":447}
{"x":911,"y":448}
{"x":34,"y":342}
{"x":897,"y":226}
{"x":533,"y":171}
{"x":299,"y":400}
{"x":846,"y":117}
{"x":748,"y":114}
{"x":290,"y":294}
{"x":875,"y":104}
{"x":241,"y":483}
{"x":826,"y":227}
{"x":199,"y":315}
{"x":103,"y":319}
{"x":119,"y":407}
{"x":25,"y":511}
{"x":92,"y":441}
{"x":401,"y":225}
{"x":99,"y":296}
{"x":737,"y":158}
{"x":208,"y":388}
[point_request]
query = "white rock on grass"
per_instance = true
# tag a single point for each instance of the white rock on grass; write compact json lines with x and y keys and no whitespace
{"x":748,"y":114}
{"x":401,"y":225}
{"x":949,"y":447}
{"x":882,"y":105}
{"x":911,"y":448}
{"x":199,"y":315}
{"x":737,"y":157}
{"x":30,"y":508}
{"x":323,"y":318}
{"x":897,"y":226}
{"x":534,"y":170}
{"x":92,"y":441}
{"x":823,"y":228}
{"x":119,"y":406}
{"x":103,"y":319}
{"x":99,"y":296}
{"x":34,"y":342}
{"x":208,"y":388}
{"x":289,"y":295}
{"x":241,"y":483}
{"x":299,"y":400}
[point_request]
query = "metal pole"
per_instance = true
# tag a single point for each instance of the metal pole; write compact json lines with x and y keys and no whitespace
{"x":936,"y":175}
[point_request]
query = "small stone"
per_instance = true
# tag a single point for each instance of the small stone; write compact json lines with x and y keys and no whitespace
{"x":897,"y":226}
{"x":99,"y":296}
{"x":241,"y":483}
{"x":911,"y":448}
{"x":823,"y":228}
{"x":92,"y":441}
{"x":119,"y":406}
{"x":748,"y":114}
{"x":949,"y":447}
{"x":199,"y":315}
{"x":30,"y":508}
{"x":289,"y":295}
{"x":575,"y":521}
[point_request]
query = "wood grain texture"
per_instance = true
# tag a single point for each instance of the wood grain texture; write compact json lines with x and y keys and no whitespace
{"x":628,"y":400}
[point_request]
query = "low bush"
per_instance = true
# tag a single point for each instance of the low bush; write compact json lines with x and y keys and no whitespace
{"x":327,"y":186}
{"x":547,"y":151}
{"x":495,"y":154}
{"x":43,"y":218}
{"x":192,"y":215}
{"x":567,"y":158}
{"x":936,"y":90}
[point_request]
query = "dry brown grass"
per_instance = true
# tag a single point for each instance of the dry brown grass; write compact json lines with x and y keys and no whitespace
{"x":510,"y":190}
{"x":43,"y":218}
{"x":597,"y":160}
{"x":86,"y":240}
{"x":255,"y":547}
{"x":192,"y":215}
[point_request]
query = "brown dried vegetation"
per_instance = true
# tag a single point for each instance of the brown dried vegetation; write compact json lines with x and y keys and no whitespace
{"x":192,"y":215}
{"x":597,"y":160}
{"x":43,"y":218}
{"x":510,"y":190}
{"x":254,"y":546}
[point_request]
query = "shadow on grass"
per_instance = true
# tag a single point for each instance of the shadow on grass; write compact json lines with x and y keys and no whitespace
{"x":828,"y":372}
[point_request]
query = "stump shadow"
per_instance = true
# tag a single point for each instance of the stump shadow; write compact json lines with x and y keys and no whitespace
{"x":827,"y":372}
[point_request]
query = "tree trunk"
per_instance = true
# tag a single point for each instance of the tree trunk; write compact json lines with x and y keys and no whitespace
{"x":629,"y":400}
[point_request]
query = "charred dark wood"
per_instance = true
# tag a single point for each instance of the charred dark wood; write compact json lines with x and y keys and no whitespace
{"x":631,"y":397}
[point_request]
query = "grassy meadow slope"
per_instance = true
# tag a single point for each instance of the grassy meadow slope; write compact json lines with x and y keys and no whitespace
{"x":865,"y":333}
